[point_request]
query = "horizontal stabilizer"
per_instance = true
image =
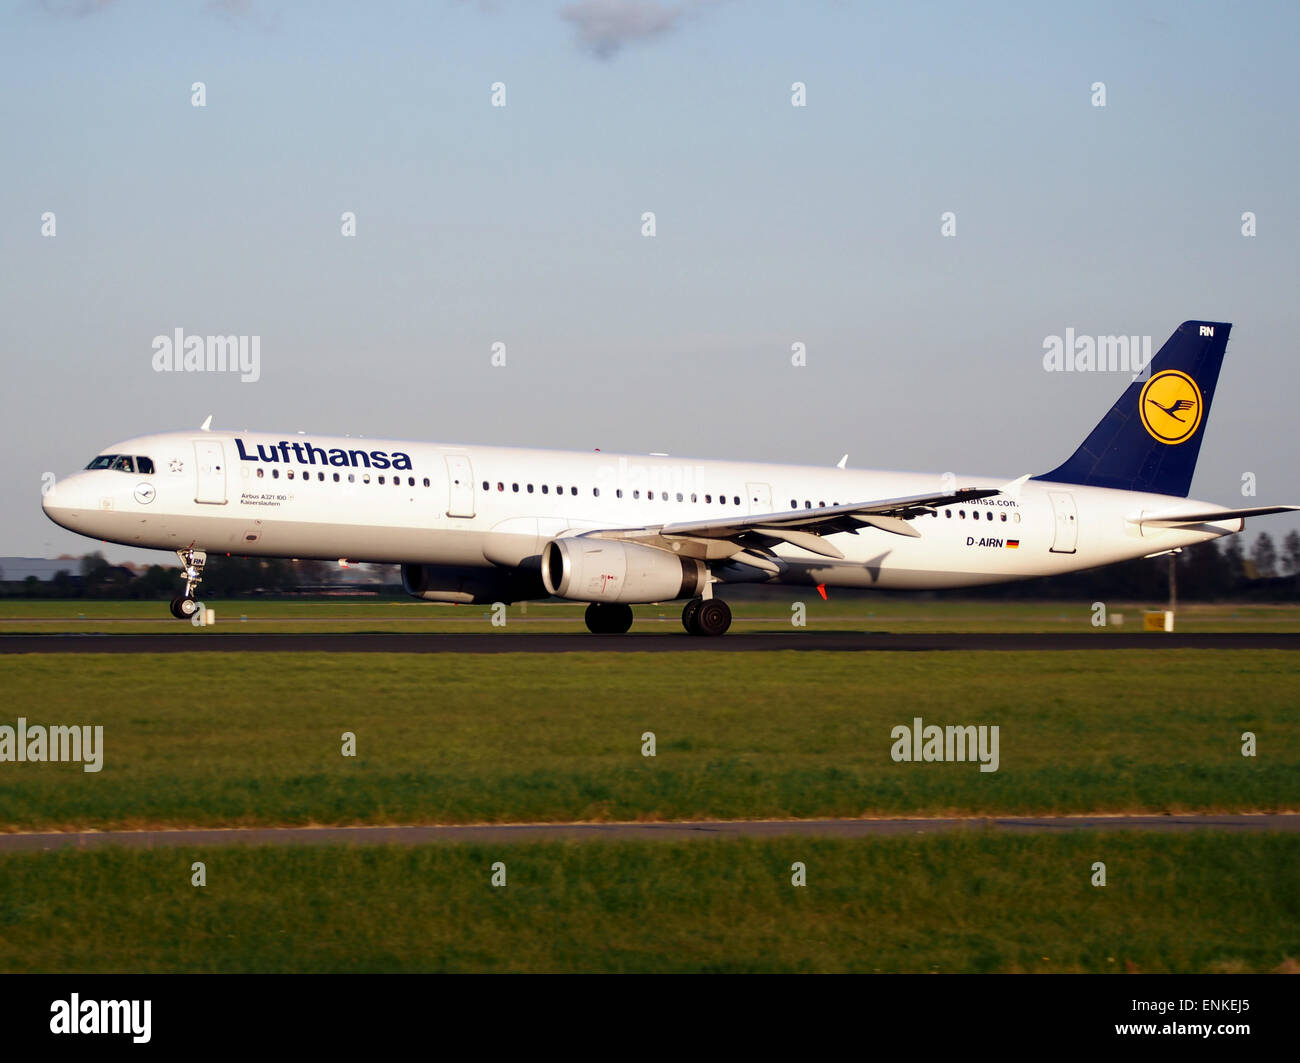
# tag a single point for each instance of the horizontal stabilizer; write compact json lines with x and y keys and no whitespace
{"x":1188,"y":520}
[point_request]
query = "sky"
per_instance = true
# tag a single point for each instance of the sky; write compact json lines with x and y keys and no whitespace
{"x":523,"y":225}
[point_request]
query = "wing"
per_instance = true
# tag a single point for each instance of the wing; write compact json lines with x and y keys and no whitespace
{"x":722,"y":537}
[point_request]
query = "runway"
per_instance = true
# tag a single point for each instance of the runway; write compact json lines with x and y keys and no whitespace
{"x":211,"y":640}
{"x":506,"y":834}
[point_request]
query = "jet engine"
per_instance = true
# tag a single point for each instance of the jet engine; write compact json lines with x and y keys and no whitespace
{"x":586,"y":569}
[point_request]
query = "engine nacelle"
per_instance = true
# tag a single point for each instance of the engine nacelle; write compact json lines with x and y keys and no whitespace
{"x":471,"y":586}
{"x":585,"y":569}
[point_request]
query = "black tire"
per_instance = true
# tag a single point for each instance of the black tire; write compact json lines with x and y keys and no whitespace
{"x":176,"y":609}
{"x":186,"y":607}
{"x":688,"y":614}
{"x":712,"y":618}
{"x":605,"y":618}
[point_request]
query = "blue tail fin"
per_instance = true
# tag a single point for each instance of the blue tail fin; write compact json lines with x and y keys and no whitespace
{"x":1150,"y":439}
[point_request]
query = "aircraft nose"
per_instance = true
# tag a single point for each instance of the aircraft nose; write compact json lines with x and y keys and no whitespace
{"x":60,"y":502}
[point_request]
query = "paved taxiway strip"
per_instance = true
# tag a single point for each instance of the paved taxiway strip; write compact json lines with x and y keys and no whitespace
{"x":502,"y":834}
{"x":208,"y":640}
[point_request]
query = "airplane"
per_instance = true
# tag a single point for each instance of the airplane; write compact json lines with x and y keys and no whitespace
{"x":484,"y":524}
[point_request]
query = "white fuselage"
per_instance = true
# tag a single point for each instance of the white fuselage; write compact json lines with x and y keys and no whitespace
{"x":481,"y":507}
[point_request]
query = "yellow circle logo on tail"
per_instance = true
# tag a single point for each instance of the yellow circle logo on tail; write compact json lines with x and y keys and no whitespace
{"x":1170,"y":405}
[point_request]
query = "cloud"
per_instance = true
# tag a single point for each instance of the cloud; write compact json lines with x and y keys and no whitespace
{"x":604,"y":27}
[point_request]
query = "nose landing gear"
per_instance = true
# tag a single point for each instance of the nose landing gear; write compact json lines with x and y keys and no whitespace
{"x":192,"y":561}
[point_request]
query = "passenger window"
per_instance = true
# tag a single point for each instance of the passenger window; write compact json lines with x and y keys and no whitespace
{"x":336,"y":477}
{"x":947,"y":512}
{"x":261,"y":473}
{"x":365,"y":477}
{"x":530,"y":487}
{"x":1004,"y":518}
{"x":693,"y":498}
{"x":426,"y":481}
{"x":636,"y":493}
{"x":485,"y":486}
{"x":595,"y":492}
{"x":573,"y":490}
{"x":679,"y":496}
{"x":381,"y":479}
{"x":708,"y":498}
{"x":545,"y":489}
{"x":275,"y":474}
{"x":289,"y":473}
{"x":618,"y":493}
{"x":989,"y":514}
{"x":821,"y":505}
{"x":794,"y":504}
{"x":514,"y":488}
{"x":500,"y":486}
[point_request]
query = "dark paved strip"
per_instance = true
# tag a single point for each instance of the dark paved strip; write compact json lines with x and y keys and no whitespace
{"x":211,"y":640}
{"x":504,"y":834}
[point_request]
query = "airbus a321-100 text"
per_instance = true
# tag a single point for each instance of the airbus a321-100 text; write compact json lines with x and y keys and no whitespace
{"x":477,"y":524}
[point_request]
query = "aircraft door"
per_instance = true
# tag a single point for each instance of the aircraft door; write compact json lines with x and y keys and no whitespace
{"x":760,"y":498}
{"x":1065,"y":536}
{"x":460,"y":486}
{"x":210,"y":468}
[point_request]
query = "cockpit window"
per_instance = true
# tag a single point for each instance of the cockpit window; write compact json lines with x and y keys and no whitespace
{"x":122,"y":463}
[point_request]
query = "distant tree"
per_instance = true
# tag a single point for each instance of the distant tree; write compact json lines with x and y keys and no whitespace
{"x":1264,"y":554}
{"x":92,"y":565}
{"x":1234,"y":561}
{"x":31,"y":587}
{"x":62,"y":584}
{"x":1291,"y":553}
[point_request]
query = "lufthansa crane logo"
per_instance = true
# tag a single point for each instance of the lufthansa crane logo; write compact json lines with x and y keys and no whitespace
{"x":1170,"y":405}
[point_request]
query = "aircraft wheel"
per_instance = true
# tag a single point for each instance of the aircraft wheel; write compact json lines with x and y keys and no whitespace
{"x":688,"y":614}
{"x":185,"y":608}
{"x":605,"y":618}
{"x":712,"y":618}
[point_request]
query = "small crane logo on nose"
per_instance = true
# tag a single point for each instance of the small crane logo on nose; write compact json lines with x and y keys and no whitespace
{"x":144,"y":494}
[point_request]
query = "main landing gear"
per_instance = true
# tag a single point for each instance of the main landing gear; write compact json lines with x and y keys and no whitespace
{"x":193,"y":561}
{"x":706,"y":616}
{"x":608,"y":618}
{"x":702,"y":616}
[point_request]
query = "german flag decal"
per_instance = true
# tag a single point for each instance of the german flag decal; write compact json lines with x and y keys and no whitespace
{"x":1013,"y":544}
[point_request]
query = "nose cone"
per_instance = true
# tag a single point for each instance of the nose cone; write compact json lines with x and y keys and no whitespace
{"x":62,"y":503}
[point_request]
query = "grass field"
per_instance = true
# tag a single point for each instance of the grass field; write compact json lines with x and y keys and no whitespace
{"x":840,"y":613}
{"x":245,"y":739}
{"x":969,"y":902}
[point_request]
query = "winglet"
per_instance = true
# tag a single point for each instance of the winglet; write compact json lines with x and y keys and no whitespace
{"x":843,"y":462}
{"x":206,"y":426}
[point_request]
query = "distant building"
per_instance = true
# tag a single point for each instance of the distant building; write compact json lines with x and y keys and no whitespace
{"x":17,"y":569}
